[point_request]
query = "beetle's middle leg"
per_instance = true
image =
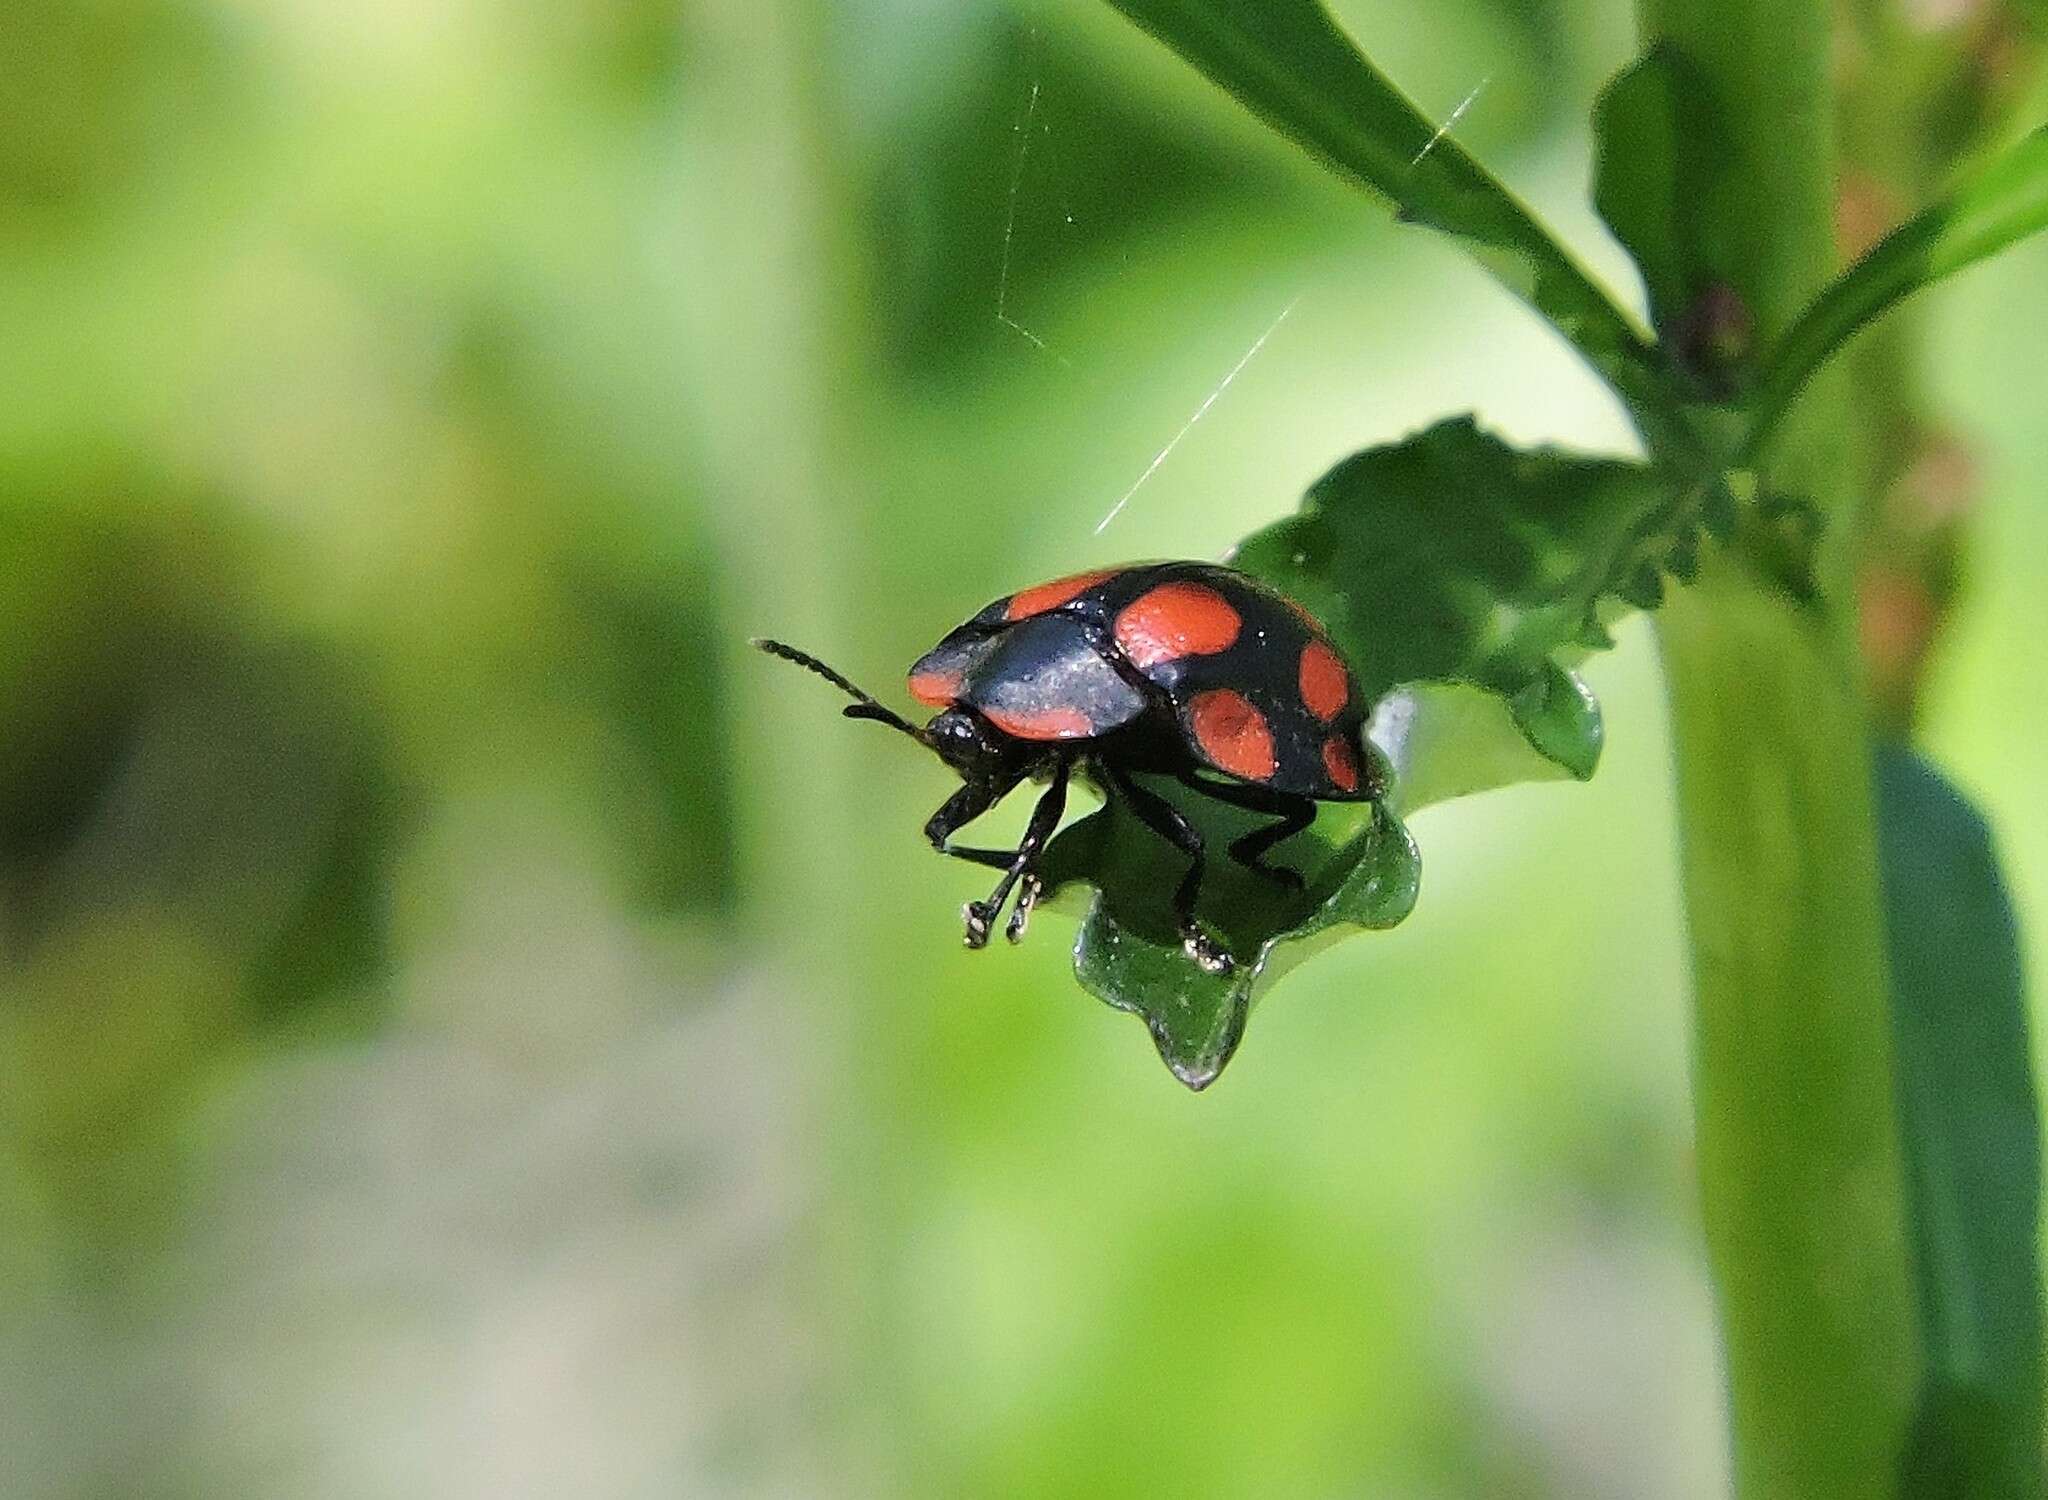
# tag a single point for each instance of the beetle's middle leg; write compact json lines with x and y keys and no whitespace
{"x":1166,"y":820}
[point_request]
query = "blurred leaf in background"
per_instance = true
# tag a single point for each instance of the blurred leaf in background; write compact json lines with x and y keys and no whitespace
{"x":1970,"y":1122}
{"x":467,"y":1028}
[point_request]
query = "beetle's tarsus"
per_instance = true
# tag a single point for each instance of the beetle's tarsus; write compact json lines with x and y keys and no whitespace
{"x":1020,"y":917}
{"x":1206,"y":951}
{"x":978,"y":919}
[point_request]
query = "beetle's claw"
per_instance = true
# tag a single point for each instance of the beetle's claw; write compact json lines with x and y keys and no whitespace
{"x":1206,"y":951}
{"x":1020,"y":918}
{"x":979,"y":917}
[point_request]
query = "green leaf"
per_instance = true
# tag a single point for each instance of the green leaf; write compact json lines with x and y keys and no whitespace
{"x":1452,"y":739}
{"x":1288,"y":61}
{"x":1971,"y":1138}
{"x":1664,"y":179}
{"x":1559,"y":717}
{"x":1362,"y":872}
{"x":1460,"y":576}
{"x":1450,"y":557}
{"x":1999,"y":203}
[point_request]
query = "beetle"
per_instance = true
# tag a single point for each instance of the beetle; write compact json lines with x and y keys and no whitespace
{"x":1186,"y":669}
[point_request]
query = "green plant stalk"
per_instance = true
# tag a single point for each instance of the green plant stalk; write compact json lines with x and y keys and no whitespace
{"x":1797,"y":1156}
{"x":1800,"y":1188}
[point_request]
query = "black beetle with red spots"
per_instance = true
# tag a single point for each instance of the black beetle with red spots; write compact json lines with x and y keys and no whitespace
{"x":1181,"y":669}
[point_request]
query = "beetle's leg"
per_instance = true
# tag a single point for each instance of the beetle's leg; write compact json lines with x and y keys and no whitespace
{"x":1295,"y":812}
{"x":1248,"y":851}
{"x":1028,"y":891}
{"x":969,"y":803}
{"x":960,"y":809}
{"x":963,"y":807}
{"x":981,"y":915}
{"x":1166,"y":820}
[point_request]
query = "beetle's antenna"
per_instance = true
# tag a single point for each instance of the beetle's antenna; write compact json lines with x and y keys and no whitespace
{"x":865,"y":705}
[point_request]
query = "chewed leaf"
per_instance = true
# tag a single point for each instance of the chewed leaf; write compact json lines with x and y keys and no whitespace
{"x":1459,"y":575}
{"x":1130,"y":954}
{"x":1450,"y":557}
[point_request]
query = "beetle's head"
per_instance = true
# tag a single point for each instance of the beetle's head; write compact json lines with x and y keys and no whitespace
{"x":975,"y":748}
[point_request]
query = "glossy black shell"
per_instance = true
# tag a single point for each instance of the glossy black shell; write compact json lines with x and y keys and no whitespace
{"x":1052,"y":664}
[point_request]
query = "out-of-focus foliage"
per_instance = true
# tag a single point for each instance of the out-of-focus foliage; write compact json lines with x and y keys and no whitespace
{"x":468,"y":1028}
{"x":1971,"y":1137}
{"x":1661,"y":135}
{"x":2000,"y":203}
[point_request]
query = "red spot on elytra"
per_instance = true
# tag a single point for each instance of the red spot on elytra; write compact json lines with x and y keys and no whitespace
{"x":1232,"y":734}
{"x":1325,"y":685}
{"x":938,"y":689}
{"x":1341,"y":761}
{"x":1176,"y":620}
{"x":1041,"y":723}
{"x":1041,"y":597}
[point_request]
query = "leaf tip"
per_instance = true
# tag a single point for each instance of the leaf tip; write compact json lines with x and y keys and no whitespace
{"x":1561,"y":718}
{"x":1201,"y":1064}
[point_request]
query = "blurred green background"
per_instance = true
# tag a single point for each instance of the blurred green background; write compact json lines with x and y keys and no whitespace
{"x":469,"y":1027}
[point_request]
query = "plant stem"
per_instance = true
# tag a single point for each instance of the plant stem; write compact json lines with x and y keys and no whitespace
{"x":1798,"y":1155}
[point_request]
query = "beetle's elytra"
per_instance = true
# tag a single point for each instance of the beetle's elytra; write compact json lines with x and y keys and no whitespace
{"x":1185,"y":669}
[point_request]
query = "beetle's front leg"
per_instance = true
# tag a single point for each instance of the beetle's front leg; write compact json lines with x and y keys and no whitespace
{"x":980,"y":916}
{"x":962,"y":808}
{"x":971,"y":802}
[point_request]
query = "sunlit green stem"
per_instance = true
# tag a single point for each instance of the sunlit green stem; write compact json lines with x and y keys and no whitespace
{"x":1798,"y":1157}
{"x":1798,"y":1168}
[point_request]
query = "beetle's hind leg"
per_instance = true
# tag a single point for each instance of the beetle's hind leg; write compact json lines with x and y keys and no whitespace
{"x":1294,"y":811}
{"x":1016,"y":865}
